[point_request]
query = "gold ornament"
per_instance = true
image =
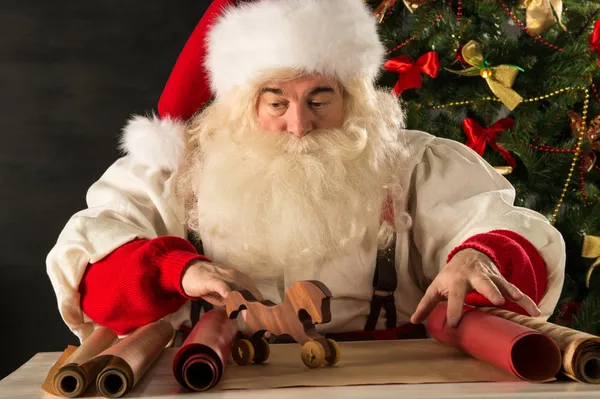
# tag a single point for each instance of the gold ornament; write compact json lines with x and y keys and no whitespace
{"x":591,"y":138}
{"x":504,"y":170}
{"x":591,"y":249}
{"x":499,"y":78}
{"x":486,"y":73}
{"x":412,"y":5}
{"x":539,"y":16}
{"x":382,"y":9}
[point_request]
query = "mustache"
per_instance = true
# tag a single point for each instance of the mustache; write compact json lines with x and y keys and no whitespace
{"x":346,"y":142}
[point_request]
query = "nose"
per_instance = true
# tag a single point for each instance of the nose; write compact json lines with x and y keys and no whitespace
{"x":300,"y":121}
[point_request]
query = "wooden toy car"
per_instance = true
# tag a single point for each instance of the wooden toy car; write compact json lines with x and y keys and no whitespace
{"x":306,"y":304}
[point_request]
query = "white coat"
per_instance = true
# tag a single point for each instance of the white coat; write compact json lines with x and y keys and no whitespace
{"x":450,"y":193}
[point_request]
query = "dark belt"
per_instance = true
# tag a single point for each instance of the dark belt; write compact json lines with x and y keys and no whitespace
{"x":385,"y":283}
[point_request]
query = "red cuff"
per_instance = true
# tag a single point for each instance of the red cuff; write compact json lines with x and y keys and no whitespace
{"x":518,"y":261}
{"x":138,"y":283}
{"x":175,"y":262}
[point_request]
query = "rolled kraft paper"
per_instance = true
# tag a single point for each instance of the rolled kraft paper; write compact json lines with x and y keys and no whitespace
{"x":581,"y":351}
{"x":82,"y":366}
{"x":128,"y":361}
{"x":516,"y":349}
{"x":200,"y":362}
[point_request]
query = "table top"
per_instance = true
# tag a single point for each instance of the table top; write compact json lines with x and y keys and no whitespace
{"x":25,"y":382}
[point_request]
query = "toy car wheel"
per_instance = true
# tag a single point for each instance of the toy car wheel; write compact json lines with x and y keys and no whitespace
{"x":242,"y":351}
{"x":335,"y":352}
{"x":313,"y":354}
{"x":262,"y":350}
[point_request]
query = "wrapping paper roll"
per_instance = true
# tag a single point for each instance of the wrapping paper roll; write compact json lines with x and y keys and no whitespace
{"x":129,"y":359}
{"x":115,"y":365}
{"x":200,"y":362}
{"x":516,"y":349}
{"x":581,"y":351}
{"x":82,"y":366}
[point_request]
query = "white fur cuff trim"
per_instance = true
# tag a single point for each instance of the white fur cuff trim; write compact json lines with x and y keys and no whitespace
{"x":154,"y":142}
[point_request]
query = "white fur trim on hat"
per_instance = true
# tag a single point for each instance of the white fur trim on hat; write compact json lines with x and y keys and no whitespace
{"x":154,"y":141}
{"x":335,"y":37}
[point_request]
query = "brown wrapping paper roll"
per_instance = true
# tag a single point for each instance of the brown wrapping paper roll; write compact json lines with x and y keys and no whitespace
{"x":516,"y":349}
{"x":82,"y":366}
{"x":581,"y":351}
{"x":115,"y":365}
{"x":200,"y":362}
{"x":128,"y":360}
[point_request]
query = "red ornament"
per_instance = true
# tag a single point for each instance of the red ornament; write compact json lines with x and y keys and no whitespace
{"x":568,"y":310}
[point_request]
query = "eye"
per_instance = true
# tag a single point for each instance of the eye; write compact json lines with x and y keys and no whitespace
{"x":317,"y":105}
{"x":276,"y":105}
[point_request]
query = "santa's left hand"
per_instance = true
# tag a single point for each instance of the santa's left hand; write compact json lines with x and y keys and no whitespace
{"x":469,"y":270}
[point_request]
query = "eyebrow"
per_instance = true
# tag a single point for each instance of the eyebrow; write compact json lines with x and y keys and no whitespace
{"x":313,"y":92}
{"x":321,"y":89}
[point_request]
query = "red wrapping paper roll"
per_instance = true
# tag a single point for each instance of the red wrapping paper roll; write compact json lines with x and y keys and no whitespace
{"x":200,"y":362}
{"x":516,"y":349}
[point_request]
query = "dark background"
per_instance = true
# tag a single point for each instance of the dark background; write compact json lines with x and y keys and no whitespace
{"x":71,"y":74}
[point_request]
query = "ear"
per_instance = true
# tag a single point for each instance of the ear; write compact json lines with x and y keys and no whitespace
{"x":154,"y":141}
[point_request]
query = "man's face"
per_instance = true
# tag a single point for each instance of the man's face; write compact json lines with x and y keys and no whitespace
{"x":301,"y":105}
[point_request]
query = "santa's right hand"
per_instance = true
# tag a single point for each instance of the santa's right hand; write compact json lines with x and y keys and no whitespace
{"x":213,"y":283}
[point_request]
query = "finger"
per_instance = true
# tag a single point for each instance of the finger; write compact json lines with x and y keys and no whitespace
{"x":456,"y":301}
{"x":530,"y":306}
{"x":242,"y":282}
{"x":426,"y":305}
{"x":486,"y":287}
{"x":215,"y":300}
{"x":525,"y":301}
{"x":508,"y":289}
{"x":248,"y":284}
{"x":254,"y":291}
{"x":219,"y":287}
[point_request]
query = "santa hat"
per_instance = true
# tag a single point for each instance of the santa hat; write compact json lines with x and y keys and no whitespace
{"x":234,"y":44}
{"x":334,"y":37}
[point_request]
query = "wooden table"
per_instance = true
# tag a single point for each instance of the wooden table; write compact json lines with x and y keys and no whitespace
{"x":25,"y":382}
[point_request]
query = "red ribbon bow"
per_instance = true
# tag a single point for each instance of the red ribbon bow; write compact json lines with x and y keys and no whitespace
{"x":410,"y":73}
{"x":595,"y":39}
{"x":478,"y":137}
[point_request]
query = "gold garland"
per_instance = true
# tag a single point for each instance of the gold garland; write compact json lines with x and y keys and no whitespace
{"x":526,"y":100}
{"x":582,"y":131}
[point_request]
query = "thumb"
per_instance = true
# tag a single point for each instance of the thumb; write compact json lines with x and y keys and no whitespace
{"x":218,"y":287}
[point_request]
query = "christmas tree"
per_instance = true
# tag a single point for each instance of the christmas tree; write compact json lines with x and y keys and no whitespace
{"x":519,"y":82}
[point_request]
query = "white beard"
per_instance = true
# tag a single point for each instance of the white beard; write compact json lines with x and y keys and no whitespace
{"x":268,"y":202}
{"x":279,"y":202}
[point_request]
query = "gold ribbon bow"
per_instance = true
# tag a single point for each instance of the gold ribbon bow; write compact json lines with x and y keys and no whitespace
{"x":499,"y":78}
{"x":539,"y":16}
{"x":591,"y":249}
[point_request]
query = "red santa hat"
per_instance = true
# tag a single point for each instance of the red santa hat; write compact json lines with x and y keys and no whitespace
{"x":233,"y":44}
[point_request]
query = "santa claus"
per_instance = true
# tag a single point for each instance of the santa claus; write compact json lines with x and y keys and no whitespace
{"x":299,"y":169}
